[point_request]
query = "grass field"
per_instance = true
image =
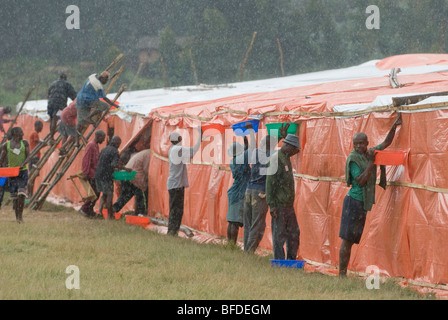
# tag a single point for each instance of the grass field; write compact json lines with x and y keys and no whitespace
{"x":119,"y":261}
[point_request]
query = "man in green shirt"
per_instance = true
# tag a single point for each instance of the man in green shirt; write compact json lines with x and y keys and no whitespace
{"x":360,"y":174}
{"x":280,"y":195}
{"x":17,"y":150}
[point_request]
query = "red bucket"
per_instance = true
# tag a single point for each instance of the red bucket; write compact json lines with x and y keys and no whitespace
{"x":9,"y":172}
{"x":211,"y":129}
{"x":390,"y":158}
{"x":138,"y":221}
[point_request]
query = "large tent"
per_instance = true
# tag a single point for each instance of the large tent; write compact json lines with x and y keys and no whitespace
{"x":407,"y":227}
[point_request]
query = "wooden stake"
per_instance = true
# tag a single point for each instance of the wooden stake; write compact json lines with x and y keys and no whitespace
{"x":193,"y":67}
{"x":243,"y":64}
{"x":162,"y":61}
{"x":13,"y":122}
{"x":281,"y":56}
{"x":139,"y":70}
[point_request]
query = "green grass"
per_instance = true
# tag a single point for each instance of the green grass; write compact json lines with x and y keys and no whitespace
{"x":119,"y":261}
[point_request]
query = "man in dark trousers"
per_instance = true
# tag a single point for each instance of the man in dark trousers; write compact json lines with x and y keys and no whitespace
{"x":280,"y":196}
{"x":89,"y":165}
{"x":16,"y":151}
{"x":178,"y":157}
{"x":360,"y":174}
{"x":108,"y":162}
{"x":58,"y":93}
{"x":138,"y":187}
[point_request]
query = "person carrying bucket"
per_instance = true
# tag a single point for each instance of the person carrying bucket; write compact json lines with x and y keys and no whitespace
{"x":16,"y":151}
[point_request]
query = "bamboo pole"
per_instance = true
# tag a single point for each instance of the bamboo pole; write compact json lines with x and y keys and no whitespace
{"x":243,"y":63}
{"x":115,"y":62}
{"x":13,"y":122}
{"x":114,"y":80}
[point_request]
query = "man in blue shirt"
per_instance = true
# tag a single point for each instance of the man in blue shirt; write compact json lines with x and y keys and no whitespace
{"x":88,"y":101}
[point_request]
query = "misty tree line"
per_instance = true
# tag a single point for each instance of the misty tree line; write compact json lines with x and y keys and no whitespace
{"x":311,"y":35}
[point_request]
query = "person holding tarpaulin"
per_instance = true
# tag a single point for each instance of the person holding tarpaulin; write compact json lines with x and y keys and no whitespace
{"x":88,"y":101}
{"x":360,"y":174}
{"x":255,"y":205}
{"x":178,"y":157}
{"x":240,"y":167}
{"x":280,"y":196}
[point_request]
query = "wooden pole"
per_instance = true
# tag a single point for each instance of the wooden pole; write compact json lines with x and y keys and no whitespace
{"x":442,"y":36}
{"x":243,"y":64}
{"x":115,"y":62}
{"x":139,"y":70}
{"x":281,"y":56}
{"x":113,"y":80}
{"x":403,"y":101}
{"x":13,"y":122}
{"x":165,"y":80}
{"x":193,"y":68}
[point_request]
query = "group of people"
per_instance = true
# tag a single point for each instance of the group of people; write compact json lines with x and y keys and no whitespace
{"x":86,"y":108}
{"x":263,"y":178}
{"x":97,"y":167}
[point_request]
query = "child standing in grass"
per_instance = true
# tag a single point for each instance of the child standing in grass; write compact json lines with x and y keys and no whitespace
{"x":16,"y":151}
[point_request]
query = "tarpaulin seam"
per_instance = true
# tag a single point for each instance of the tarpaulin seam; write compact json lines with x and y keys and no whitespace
{"x":325,"y":179}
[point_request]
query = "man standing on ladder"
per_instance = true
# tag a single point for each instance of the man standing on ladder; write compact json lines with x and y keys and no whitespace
{"x":58,"y":93}
{"x":88,"y":101}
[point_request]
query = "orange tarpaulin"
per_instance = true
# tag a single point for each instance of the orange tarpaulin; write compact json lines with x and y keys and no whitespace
{"x":405,"y":231}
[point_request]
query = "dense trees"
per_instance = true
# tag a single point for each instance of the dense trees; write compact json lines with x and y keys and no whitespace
{"x":313,"y":35}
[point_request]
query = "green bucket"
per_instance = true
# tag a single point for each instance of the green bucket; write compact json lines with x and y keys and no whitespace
{"x":274,"y":129}
{"x":124,"y":175}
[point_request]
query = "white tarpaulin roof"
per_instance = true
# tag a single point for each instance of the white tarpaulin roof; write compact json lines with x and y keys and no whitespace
{"x":144,"y":101}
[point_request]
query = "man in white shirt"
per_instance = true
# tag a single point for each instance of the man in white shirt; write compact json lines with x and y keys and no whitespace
{"x":179,"y":156}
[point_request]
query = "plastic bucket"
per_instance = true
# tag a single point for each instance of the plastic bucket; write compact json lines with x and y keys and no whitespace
{"x":138,"y":221}
{"x":240,"y":128}
{"x":212,"y":129}
{"x":274,"y":129}
{"x":9,"y":172}
{"x":298,"y":264}
{"x":390,"y":158}
{"x":124,"y":175}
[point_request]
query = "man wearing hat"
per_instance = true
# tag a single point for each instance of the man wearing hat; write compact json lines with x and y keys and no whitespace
{"x":255,"y":205}
{"x":88,"y":101}
{"x":178,"y":157}
{"x":58,"y":92}
{"x":280,"y":195}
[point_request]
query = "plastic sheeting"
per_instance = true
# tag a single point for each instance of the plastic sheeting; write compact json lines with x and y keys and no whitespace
{"x":407,"y":227}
